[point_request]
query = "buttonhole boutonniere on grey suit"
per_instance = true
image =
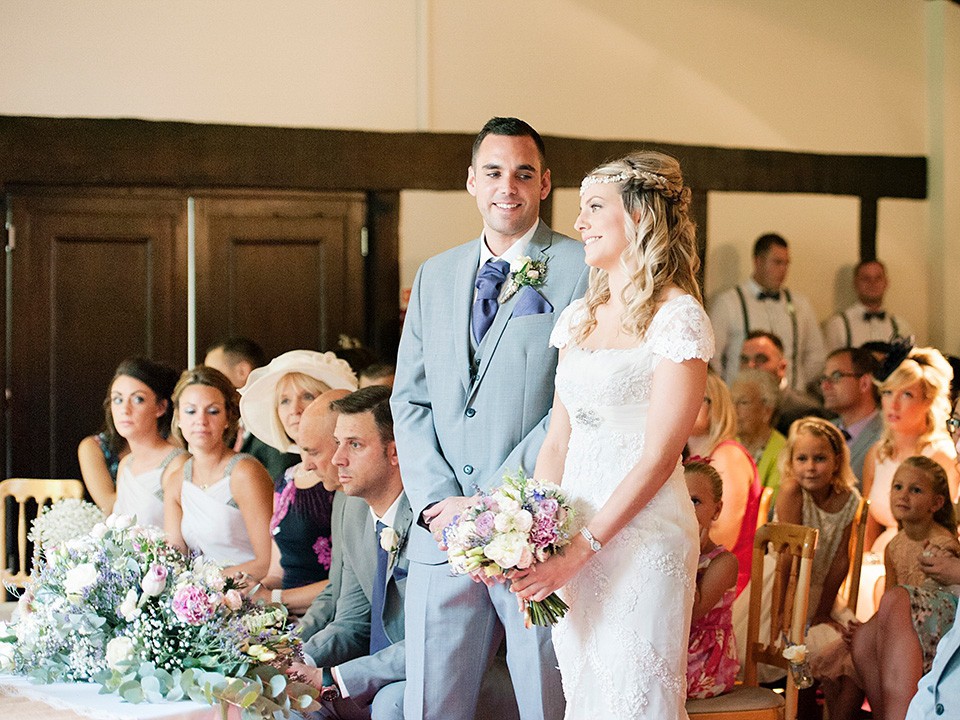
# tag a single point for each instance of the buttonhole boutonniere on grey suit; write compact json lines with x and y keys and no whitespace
{"x":391,"y":541}
{"x":524,"y":272}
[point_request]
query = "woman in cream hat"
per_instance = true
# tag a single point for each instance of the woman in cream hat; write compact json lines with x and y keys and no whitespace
{"x":272,"y":402}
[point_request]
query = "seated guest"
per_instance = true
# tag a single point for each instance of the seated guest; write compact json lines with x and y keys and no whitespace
{"x":272,"y":404}
{"x":764,"y":351}
{"x":236,"y":358}
{"x":304,"y":541}
{"x":377,"y":374}
{"x":140,"y":410}
{"x":713,"y":439}
{"x":848,"y":391}
{"x":866,"y":320}
{"x":219,"y":503}
{"x":755,"y":396}
{"x":360,"y":653}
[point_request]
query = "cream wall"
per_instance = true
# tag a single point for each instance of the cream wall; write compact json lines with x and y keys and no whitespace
{"x":820,"y":76}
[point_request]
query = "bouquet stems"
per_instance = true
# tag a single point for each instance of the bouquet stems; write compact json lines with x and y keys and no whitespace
{"x":545,"y":613}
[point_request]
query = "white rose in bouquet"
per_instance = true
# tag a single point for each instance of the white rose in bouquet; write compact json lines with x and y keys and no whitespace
{"x":80,"y":578}
{"x":119,"y":650}
{"x":506,"y":550}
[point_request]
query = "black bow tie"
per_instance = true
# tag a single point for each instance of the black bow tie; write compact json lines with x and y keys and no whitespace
{"x":878,"y":315}
{"x":768,"y":295}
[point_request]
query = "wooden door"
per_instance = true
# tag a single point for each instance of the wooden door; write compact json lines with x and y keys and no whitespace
{"x":285,"y":270}
{"x":95,"y":278}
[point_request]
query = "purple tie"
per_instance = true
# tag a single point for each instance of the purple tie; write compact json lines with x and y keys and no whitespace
{"x":489,"y":280}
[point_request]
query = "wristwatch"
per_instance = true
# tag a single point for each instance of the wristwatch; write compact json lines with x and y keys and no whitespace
{"x":330,"y":690}
{"x":594,"y":543}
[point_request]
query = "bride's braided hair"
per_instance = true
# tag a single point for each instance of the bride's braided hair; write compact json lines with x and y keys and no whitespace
{"x":661,"y":247}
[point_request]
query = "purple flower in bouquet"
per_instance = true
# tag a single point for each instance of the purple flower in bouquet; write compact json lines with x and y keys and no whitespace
{"x":548,"y":507}
{"x":484,"y":523}
{"x":192,"y":605}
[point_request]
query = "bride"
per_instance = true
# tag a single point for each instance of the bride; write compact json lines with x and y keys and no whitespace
{"x":635,"y":347}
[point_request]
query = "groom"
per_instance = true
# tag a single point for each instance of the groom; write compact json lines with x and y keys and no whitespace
{"x":473,"y":391}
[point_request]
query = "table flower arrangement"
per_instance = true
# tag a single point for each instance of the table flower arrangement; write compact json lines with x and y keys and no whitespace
{"x":120,"y":607}
{"x":522,"y":522}
{"x":62,"y":521}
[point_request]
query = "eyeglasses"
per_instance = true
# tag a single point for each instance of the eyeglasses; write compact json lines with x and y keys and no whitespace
{"x":953,"y":424}
{"x":835,"y":377}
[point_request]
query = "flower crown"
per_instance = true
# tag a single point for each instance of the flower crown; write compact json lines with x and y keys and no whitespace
{"x":646,"y":180}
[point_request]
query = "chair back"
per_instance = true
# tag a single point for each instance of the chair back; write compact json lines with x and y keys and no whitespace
{"x":792,"y":548}
{"x":763,"y":510}
{"x":851,"y":586}
{"x":21,"y":490}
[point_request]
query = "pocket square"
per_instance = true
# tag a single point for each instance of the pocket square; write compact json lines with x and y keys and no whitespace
{"x":530,"y":302}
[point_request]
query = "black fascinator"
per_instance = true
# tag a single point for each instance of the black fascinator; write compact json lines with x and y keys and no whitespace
{"x":899,"y":351}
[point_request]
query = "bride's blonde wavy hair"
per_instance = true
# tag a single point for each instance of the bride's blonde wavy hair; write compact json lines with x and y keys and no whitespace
{"x":661,"y":247}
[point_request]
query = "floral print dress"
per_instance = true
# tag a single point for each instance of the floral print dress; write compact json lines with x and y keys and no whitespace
{"x":712,"y":661}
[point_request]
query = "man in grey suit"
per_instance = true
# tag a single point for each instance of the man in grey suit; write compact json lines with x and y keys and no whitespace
{"x":473,"y":391}
{"x":848,"y":391}
{"x":360,"y":653}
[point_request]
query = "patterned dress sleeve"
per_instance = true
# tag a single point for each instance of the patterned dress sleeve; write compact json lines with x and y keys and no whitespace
{"x":681,"y":331}
{"x":571,"y":316}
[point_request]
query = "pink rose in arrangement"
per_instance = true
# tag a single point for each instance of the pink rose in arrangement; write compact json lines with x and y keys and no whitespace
{"x":192,"y":605}
{"x":155,"y":580}
{"x":484,"y":523}
{"x":233,"y":599}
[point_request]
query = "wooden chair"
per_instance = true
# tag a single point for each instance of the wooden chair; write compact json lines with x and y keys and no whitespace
{"x":792,"y":547}
{"x":851,"y":586}
{"x":763,"y":509}
{"x":22,"y":490}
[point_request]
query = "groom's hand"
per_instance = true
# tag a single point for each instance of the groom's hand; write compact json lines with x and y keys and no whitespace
{"x":441,"y":514}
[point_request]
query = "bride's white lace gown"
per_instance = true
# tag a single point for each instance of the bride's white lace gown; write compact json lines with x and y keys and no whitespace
{"x":622,"y":647}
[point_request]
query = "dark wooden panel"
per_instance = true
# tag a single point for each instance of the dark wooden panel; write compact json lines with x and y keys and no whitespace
{"x":140,"y":153}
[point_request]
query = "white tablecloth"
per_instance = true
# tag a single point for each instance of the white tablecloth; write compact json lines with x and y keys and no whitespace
{"x":84,"y":700}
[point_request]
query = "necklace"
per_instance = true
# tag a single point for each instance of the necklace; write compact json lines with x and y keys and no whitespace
{"x":205,"y":485}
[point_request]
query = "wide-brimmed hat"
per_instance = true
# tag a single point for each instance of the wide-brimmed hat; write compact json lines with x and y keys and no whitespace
{"x":258,"y":398}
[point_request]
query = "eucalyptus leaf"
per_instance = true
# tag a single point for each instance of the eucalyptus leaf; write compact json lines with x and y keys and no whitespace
{"x":277,"y":684}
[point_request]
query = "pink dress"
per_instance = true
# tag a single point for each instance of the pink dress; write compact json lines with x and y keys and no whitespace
{"x":743,"y":550}
{"x":712,"y":662}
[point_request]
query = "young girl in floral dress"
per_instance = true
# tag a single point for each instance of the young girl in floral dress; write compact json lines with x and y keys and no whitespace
{"x":712,"y":662}
{"x":896,"y":646}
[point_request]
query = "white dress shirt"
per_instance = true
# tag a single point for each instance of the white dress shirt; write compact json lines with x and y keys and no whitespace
{"x":862,"y":330}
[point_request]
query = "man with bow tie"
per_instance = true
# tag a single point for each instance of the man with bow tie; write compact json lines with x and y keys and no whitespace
{"x":360,"y":654}
{"x":866,"y":320}
{"x":763,"y":303}
{"x":473,"y":392}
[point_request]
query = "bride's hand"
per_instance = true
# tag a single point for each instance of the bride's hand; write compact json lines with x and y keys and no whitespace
{"x":540,"y":579}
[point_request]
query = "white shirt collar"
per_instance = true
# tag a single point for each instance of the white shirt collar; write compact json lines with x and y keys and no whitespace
{"x":512,"y":252}
{"x":390,"y":516}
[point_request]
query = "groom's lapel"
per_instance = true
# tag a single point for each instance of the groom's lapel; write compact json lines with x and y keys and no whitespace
{"x":536,"y":249}
{"x":462,"y":310}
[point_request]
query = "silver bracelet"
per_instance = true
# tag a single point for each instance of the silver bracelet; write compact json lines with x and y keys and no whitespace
{"x":594,"y":543}
{"x":276,"y":596}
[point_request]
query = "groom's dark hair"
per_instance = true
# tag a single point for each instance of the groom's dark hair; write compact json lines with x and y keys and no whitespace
{"x":513,"y":127}
{"x":373,"y":399}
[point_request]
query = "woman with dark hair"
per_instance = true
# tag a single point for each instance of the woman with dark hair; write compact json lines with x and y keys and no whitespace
{"x":138,"y":412}
{"x":219,"y":502}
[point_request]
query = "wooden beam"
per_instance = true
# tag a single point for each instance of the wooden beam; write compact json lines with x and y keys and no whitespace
{"x":96,"y":152}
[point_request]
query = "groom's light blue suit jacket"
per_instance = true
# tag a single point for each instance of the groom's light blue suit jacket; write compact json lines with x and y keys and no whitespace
{"x":460,"y":424}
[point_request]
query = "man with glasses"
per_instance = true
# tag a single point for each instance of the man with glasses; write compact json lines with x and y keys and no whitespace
{"x":938,"y":693}
{"x":848,"y":391}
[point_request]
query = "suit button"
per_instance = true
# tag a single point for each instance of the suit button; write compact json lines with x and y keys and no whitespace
{"x":470,"y":412}
{"x":468,"y":469}
{"x":939,"y":708}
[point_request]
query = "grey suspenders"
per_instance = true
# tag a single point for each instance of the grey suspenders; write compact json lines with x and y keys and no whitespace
{"x":792,"y":311}
{"x":846,"y":325}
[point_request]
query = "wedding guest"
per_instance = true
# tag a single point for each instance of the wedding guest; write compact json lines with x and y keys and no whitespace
{"x":712,"y":660}
{"x":755,"y":396}
{"x":764,"y":351}
{"x":636,"y":347}
{"x":473,"y":390}
{"x":866,"y":319}
{"x":848,"y":391}
{"x":219,"y":502}
{"x":140,"y":410}
{"x":236,"y":358}
{"x":713,"y":439}
{"x":915,"y":611}
{"x":763,"y":303}
{"x":914,"y":389}
{"x":271,"y":405}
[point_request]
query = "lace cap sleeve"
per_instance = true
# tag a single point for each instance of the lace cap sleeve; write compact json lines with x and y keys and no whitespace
{"x":571,"y":316}
{"x":681,"y":331}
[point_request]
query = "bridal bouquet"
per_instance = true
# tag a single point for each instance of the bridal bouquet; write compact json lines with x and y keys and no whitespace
{"x":120,"y":607}
{"x":522,"y":522}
